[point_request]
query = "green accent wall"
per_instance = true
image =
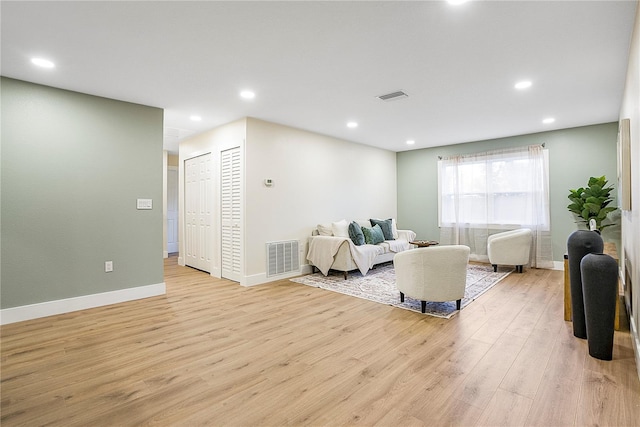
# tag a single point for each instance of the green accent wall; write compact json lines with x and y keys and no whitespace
{"x":574,"y":155}
{"x":73,"y":166}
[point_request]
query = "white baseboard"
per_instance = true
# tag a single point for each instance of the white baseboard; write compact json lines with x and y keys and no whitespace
{"x":68,"y":305}
{"x":259,"y":279}
{"x":558,"y":265}
{"x":165,"y":254}
{"x":306,"y":269}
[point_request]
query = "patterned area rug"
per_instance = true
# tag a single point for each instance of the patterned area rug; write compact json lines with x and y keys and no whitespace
{"x":379,"y":285}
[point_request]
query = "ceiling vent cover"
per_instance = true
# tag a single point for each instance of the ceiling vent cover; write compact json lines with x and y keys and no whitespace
{"x":393,"y":96}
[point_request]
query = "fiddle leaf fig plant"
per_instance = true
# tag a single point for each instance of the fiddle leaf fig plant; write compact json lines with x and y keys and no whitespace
{"x":592,"y":202}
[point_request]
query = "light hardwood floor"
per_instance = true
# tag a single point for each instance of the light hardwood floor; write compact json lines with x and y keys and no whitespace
{"x":211,"y":352}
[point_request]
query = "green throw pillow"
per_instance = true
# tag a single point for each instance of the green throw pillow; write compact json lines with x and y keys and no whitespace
{"x":385,"y":225}
{"x":355,"y":232}
{"x":373,"y":236}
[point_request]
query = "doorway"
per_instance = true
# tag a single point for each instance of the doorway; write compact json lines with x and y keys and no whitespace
{"x":172,"y":209}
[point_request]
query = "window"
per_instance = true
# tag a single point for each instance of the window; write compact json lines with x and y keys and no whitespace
{"x":502,"y":190}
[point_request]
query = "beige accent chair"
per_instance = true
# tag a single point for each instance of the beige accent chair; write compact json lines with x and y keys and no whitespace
{"x":510,"y":248}
{"x":436,"y":273}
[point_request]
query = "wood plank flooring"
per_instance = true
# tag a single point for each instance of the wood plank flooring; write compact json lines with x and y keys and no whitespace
{"x":211,"y":352}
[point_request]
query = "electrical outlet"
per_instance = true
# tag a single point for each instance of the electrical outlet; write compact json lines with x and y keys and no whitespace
{"x":108,"y":266}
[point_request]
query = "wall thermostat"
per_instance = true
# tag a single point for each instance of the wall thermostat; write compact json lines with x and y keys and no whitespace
{"x":268,"y":182}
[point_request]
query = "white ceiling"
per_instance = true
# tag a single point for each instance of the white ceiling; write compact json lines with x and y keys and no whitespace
{"x":317,"y":65}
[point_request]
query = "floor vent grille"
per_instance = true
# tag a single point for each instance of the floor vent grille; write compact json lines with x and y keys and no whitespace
{"x":282,"y":257}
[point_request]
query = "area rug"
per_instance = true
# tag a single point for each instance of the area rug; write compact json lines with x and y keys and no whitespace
{"x":379,"y":285}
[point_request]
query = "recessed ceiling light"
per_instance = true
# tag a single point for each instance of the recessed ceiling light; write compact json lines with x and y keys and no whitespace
{"x":352,"y":125}
{"x":410,"y":142}
{"x":548,"y":120}
{"x":523,"y":84}
{"x":41,"y":62}
{"x":457,"y":2}
{"x":195,"y":118}
{"x":247,"y":94}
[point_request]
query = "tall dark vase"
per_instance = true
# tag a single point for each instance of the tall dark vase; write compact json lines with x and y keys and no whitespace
{"x":579,"y":244}
{"x":599,"y":283}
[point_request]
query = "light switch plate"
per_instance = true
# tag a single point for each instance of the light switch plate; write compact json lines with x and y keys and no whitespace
{"x":145,"y":204}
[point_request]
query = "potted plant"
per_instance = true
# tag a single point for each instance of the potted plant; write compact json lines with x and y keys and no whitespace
{"x":592,"y":202}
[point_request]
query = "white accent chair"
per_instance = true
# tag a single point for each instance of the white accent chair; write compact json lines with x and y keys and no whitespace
{"x":436,"y":273}
{"x":510,"y":248}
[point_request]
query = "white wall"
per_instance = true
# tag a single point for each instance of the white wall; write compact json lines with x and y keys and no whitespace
{"x":214,"y":141}
{"x":316,"y":179}
{"x":631,"y":219}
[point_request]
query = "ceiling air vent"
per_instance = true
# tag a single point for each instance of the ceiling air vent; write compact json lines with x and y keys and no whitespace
{"x":393,"y":96}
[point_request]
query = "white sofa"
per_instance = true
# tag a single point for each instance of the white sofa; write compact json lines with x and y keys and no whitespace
{"x":330,"y":249}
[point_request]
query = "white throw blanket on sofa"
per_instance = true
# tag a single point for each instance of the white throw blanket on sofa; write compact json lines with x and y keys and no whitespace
{"x":398,"y":245}
{"x":322,"y":250}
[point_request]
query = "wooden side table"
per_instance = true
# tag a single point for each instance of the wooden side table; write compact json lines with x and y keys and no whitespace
{"x":424,"y":243}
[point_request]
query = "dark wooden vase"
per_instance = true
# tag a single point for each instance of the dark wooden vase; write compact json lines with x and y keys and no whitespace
{"x":579,"y":244}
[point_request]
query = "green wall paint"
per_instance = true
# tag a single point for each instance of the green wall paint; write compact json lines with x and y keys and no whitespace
{"x":574,"y":155}
{"x":73,"y":166}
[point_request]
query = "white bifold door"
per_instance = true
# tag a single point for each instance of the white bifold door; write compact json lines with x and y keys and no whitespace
{"x":198,"y":212}
{"x":231,"y":213}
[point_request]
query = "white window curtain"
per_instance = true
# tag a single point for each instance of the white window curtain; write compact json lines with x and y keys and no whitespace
{"x":486,"y":193}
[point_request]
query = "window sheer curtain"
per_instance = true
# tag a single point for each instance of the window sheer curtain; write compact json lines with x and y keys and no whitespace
{"x":487,"y":193}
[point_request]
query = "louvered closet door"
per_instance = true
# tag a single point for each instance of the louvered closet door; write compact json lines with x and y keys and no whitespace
{"x":231,"y":213}
{"x":198,"y":207}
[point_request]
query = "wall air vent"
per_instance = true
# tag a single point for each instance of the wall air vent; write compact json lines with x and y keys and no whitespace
{"x":282,"y":257}
{"x":393,"y":96}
